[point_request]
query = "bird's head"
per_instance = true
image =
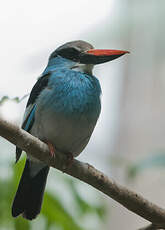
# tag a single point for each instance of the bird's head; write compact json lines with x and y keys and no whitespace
{"x":81,"y":56}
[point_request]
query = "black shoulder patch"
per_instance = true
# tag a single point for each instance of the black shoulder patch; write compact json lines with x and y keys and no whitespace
{"x":37,"y":88}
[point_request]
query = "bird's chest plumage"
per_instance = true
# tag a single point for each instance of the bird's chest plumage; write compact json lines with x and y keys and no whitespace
{"x":68,"y":109}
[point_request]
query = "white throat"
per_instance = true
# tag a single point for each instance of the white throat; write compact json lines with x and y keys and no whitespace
{"x":84,"y":68}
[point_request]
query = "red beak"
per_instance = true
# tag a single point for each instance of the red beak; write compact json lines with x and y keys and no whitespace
{"x":100,"y":52}
{"x":98,"y":56}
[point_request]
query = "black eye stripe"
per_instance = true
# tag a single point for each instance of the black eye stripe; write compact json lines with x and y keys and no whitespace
{"x":69,"y":53}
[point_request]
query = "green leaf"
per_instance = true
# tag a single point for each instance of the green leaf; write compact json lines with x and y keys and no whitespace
{"x":83,"y":207}
{"x":21,"y":224}
{"x":55,"y":213}
{"x":15,"y":99}
{"x":3,"y":99}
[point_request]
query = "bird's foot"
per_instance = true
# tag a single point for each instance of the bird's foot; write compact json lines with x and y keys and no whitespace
{"x":69,"y":161}
{"x":51,"y":149}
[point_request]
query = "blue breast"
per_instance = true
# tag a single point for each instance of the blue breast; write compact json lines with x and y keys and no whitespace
{"x":72,"y":94}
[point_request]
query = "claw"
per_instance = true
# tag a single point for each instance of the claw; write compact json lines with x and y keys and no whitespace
{"x":51,"y":149}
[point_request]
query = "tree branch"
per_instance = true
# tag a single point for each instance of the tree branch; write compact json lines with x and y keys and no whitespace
{"x":85,"y":172}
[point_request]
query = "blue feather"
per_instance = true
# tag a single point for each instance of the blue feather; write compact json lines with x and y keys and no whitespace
{"x":71,"y":93}
{"x":30,"y":119}
{"x":57,"y":63}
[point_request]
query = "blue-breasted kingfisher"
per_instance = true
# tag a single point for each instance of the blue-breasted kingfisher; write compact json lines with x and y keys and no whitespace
{"x":62,"y":110}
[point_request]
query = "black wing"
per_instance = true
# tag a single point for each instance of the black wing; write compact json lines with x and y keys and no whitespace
{"x":37,"y":88}
{"x":30,"y":107}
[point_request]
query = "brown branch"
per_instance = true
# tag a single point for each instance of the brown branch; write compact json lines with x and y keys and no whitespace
{"x":85,"y":172}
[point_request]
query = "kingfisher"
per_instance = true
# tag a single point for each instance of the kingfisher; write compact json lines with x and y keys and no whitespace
{"x":62,"y":110}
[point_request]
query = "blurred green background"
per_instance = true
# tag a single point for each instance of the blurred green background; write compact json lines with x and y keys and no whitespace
{"x":128,"y":142}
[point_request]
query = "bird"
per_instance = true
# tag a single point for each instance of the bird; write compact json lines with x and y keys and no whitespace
{"x":62,"y":110}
